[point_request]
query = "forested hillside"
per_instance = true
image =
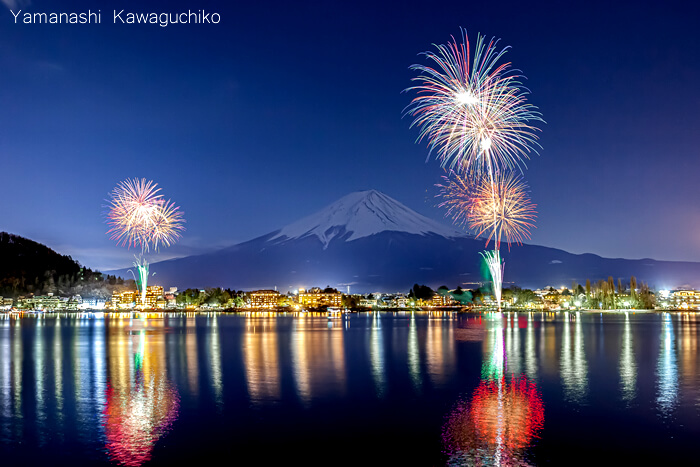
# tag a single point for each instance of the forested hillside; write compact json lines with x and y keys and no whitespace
{"x":29,"y":267}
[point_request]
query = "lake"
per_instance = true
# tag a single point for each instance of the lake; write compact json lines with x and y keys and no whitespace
{"x":372,"y":388}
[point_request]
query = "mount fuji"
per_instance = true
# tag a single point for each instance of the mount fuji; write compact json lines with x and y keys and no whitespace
{"x":369,"y":242}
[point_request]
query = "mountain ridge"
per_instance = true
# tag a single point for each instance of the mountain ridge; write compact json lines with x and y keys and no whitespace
{"x":362,"y":213}
{"x":371,"y":242}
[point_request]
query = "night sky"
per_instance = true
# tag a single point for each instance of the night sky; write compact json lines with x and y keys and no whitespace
{"x":284,"y":107}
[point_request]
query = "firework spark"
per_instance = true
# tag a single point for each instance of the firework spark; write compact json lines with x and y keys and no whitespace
{"x":474,"y":113}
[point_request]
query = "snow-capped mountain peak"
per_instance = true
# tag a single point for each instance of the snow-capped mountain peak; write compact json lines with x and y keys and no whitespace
{"x":364,"y":213}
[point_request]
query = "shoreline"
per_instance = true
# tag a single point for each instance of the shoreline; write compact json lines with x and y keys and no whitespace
{"x":335,"y":313}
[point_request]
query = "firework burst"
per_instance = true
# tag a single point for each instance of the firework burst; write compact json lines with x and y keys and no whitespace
{"x":139,"y":216}
{"x":472,"y":111}
{"x":501,"y":206}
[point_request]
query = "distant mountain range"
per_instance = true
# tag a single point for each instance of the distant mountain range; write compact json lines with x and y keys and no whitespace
{"x":371,"y":242}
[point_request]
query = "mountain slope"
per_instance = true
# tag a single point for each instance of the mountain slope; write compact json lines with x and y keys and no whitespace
{"x":362,"y":214}
{"x":30,"y":267}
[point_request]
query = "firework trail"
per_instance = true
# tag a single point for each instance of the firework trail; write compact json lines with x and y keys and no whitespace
{"x":139,"y":216}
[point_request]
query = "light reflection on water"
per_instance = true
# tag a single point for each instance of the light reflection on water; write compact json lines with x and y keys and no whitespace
{"x":505,"y":412}
{"x":376,"y":354}
{"x":318,"y":360}
{"x":628,"y":364}
{"x":141,"y":403}
{"x":414,"y":354}
{"x":574,"y":369}
{"x":496,"y":426}
{"x":485,"y":388}
{"x":262,"y":361}
{"x":667,"y":369}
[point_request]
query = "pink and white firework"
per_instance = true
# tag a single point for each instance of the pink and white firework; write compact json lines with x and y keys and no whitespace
{"x":139,"y":216}
{"x":500,"y":207}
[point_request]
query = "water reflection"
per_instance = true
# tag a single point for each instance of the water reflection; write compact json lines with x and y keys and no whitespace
{"x":440,"y":348}
{"x":214,"y":358}
{"x":58,"y":376}
{"x":6,"y":404}
{"x":530,"y":354}
{"x":16,"y":378}
{"x":574,"y":369}
{"x":191,"y":355}
{"x":494,"y":349}
{"x":141,"y":403}
{"x":111,"y":388}
{"x":318,"y":359}
{"x":687,"y":345}
{"x":628,"y":366}
{"x":376,"y":354}
{"x":512,"y":343}
{"x":497,"y":425}
{"x":262,"y":364}
{"x":666,"y":369}
{"x":414,"y":354}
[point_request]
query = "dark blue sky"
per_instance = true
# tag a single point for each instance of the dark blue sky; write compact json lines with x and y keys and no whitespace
{"x":284,"y":107}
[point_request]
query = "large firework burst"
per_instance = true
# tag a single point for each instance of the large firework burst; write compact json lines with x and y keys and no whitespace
{"x":473,"y":112}
{"x":139,"y":216}
{"x":500,"y":206}
{"x":503,"y":208}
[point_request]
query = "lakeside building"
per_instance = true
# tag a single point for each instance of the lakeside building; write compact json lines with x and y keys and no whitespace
{"x":368,"y":302}
{"x":48,"y":302}
{"x":73,"y":303}
{"x":52,"y":302}
{"x":131,"y":298}
{"x":154,"y":297}
{"x":91,"y":304}
{"x":6,"y":303}
{"x":399,"y":300}
{"x":684,"y":299}
{"x":124,"y":300}
{"x":442,"y":300}
{"x":315,"y":297}
{"x":263,"y":299}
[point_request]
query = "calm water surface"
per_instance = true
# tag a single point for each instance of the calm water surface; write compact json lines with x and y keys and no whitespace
{"x":376,"y":388}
